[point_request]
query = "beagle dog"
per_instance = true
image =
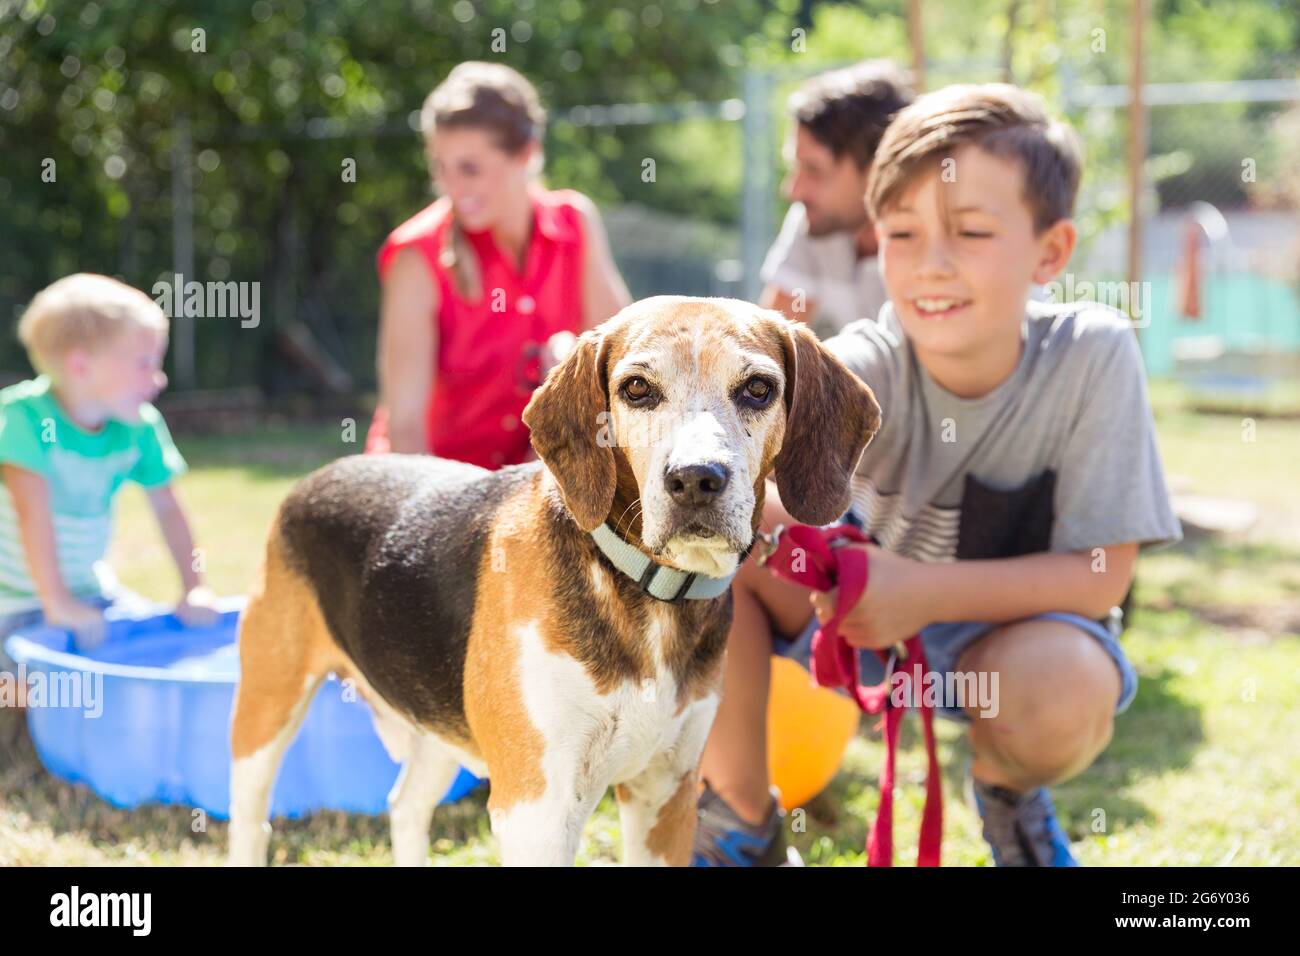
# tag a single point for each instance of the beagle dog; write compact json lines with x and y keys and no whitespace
{"x":559,"y":625}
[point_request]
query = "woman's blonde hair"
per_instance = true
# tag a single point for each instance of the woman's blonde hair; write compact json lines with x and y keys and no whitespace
{"x":491,"y":97}
{"x":83,"y":311}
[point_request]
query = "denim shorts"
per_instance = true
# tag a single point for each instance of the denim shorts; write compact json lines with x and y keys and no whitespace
{"x":944,"y":644}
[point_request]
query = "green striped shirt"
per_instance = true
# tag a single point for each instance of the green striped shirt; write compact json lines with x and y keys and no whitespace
{"x":83,"y":471}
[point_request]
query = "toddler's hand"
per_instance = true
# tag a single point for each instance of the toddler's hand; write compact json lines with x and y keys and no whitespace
{"x":85,"y":621}
{"x":198,"y":608}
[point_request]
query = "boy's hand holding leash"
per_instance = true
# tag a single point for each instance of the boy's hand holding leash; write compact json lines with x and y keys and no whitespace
{"x":838,"y":564}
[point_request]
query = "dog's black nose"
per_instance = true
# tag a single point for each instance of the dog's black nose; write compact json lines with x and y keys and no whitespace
{"x":695,"y":485}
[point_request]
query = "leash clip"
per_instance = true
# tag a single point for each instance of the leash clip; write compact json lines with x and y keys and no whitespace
{"x":897,"y":653}
{"x":771,"y":541}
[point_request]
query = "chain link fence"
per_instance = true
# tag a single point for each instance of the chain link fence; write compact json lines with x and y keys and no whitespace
{"x":690,"y":196}
{"x":1221,"y":224}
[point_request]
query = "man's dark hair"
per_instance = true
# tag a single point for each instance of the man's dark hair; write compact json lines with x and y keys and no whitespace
{"x":847,"y":110}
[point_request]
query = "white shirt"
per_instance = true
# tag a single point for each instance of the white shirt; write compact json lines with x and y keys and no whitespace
{"x":827,"y":270}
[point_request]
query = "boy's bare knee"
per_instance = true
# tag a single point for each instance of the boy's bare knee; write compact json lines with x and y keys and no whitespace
{"x":1057,"y":692}
{"x":1048,"y":752}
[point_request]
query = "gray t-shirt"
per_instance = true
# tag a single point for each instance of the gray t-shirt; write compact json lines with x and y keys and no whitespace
{"x":841,"y":287}
{"x":1061,"y":456}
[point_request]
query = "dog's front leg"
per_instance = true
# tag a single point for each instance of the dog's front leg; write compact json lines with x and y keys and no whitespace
{"x":543,"y":831}
{"x":659,"y":807}
{"x":658,"y":811}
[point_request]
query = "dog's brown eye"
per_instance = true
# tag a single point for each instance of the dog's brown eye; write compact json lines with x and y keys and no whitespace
{"x":637,"y":389}
{"x":756,"y":393}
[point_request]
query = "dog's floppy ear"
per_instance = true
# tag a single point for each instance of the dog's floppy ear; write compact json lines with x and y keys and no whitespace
{"x":831,"y":415}
{"x":566,"y":421}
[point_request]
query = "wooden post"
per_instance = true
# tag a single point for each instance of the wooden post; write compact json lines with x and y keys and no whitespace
{"x":756,"y":187}
{"x":1137,"y":140}
{"x":182,"y":250}
{"x":1008,"y":42}
{"x":916,"y":33}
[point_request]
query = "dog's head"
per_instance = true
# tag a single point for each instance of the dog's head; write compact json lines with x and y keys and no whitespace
{"x":686,"y":405}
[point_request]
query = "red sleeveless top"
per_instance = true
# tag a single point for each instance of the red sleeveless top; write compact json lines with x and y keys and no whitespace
{"x":488,"y":365}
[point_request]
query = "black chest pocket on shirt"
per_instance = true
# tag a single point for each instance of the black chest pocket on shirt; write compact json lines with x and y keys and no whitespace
{"x":1006,"y":524}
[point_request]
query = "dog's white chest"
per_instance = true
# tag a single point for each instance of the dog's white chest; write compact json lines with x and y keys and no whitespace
{"x":592,"y":738}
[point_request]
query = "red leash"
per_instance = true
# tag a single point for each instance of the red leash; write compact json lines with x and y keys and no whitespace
{"x":817,"y":558}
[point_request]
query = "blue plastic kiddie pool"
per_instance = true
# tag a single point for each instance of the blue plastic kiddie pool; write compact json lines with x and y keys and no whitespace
{"x":145,"y":717}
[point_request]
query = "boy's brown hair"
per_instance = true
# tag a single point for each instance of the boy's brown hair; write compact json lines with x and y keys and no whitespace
{"x":847,"y":110}
{"x":1004,"y":121}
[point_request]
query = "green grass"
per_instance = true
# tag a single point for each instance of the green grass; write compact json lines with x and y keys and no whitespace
{"x":1202,"y":769}
{"x":1236,"y":456}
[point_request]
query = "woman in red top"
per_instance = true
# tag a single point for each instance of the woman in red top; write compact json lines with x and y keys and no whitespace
{"x":481,"y":289}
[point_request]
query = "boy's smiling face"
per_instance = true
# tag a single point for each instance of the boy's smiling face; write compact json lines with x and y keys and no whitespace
{"x":959,"y":258}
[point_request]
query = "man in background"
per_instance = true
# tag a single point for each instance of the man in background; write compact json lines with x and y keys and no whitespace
{"x":822,"y":268}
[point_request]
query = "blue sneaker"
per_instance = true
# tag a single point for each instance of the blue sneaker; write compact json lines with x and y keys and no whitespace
{"x":722,"y":838}
{"x":1022,"y":828}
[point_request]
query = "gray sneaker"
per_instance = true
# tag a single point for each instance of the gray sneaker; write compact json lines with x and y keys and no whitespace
{"x":722,"y":838}
{"x":1022,"y":828}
